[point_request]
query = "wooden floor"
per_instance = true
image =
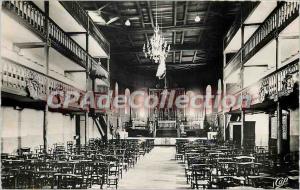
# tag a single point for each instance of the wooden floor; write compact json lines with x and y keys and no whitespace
{"x":156,"y":170}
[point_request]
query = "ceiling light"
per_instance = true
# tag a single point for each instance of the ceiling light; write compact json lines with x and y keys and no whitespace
{"x":197,"y":19}
{"x":127,"y":23}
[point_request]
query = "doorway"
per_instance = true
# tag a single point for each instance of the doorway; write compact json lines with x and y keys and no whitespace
{"x":237,"y":135}
{"x":249,"y":135}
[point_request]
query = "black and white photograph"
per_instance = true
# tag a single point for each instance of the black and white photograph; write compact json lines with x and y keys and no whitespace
{"x":154,"y":95}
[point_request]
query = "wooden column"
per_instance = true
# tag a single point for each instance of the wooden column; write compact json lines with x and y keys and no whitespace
{"x":108,"y":114}
{"x":19,"y":128}
{"x":242,"y":127}
{"x":279,"y":130}
{"x":224,"y":93}
{"x":278,"y":107}
{"x":224,"y":113}
{"x":46,"y":52}
{"x":88,"y":67}
{"x":242,"y":83}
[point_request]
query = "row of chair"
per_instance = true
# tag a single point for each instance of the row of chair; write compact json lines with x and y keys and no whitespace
{"x":211,"y":165}
{"x":97,"y":163}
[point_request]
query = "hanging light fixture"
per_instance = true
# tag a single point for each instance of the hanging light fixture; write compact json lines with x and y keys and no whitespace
{"x":197,"y":18}
{"x":156,"y":48}
{"x":127,"y":22}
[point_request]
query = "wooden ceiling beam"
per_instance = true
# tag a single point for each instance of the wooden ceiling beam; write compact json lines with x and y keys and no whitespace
{"x":139,"y":9}
{"x":176,"y":47}
{"x":174,"y":23}
{"x":186,"y":6}
{"x":168,"y":64}
{"x":177,"y":28}
{"x":184,"y":22}
{"x":174,"y":13}
{"x":205,"y":19}
{"x":201,"y":33}
{"x":150,"y":14}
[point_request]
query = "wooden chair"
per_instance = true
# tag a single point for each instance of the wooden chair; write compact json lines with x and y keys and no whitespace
{"x":99,"y":173}
{"x":201,"y":177}
{"x":113,"y":174}
{"x":65,"y":178}
{"x":83,"y":172}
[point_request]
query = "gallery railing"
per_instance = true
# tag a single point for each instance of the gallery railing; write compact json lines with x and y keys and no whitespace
{"x":273,"y":24}
{"x":82,"y":17}
{"x":281,"y":16}
{"x":34,"y":19}
{"x":245,"y":10}
{"x":266,"y":88}
{"x":20,"y":80}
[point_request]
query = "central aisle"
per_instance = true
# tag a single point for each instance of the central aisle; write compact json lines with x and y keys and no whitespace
{"x":156,"y":170}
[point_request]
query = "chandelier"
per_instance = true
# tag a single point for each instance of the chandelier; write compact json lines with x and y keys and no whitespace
{"x":156,"y":48}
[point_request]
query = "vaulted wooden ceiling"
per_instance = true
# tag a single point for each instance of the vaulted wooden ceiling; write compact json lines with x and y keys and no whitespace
{"x":195,"y":46}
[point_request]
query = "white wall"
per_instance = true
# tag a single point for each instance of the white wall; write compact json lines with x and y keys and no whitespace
{"x":9,"y":130}
{"x":294,"y":130}
{"x":61,"y":128}
{"x":248,"y":31}
{"x":261,"y":128}
{"x":252,"y":75}
{"x":31,"y":127}
{"x":30,"y":131}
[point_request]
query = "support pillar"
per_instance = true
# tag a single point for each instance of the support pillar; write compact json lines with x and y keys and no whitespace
{"x":46,"y":52}
{"x":224,"y":113}
{"x":224,"y":125}
{"x":242,"y":127}
{"x":88,"y":68}
{"x":278,"y":106}
{"x":242,"y":82}
{"x":19,"y":129}
{"x":279,"y":130}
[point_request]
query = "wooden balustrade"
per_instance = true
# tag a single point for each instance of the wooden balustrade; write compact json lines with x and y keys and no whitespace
{"x":35,"y":19}
{"x":277,"y":20}
{"x":21,"y":80}
{"x":266,"y":88}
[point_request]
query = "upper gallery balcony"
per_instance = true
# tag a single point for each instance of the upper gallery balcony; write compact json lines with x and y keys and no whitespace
{"x":33,"y":18}
{"x":24,"y":72}
{"x":82,"y":17}
{"x":260,"y":34}
{"x":247,"y":9}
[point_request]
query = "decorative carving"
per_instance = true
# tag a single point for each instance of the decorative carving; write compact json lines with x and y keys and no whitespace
{"x":33,"y":85}
{"x":286,"y":81}
{"x":263,"y":92}
{"x":23,"y":81}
